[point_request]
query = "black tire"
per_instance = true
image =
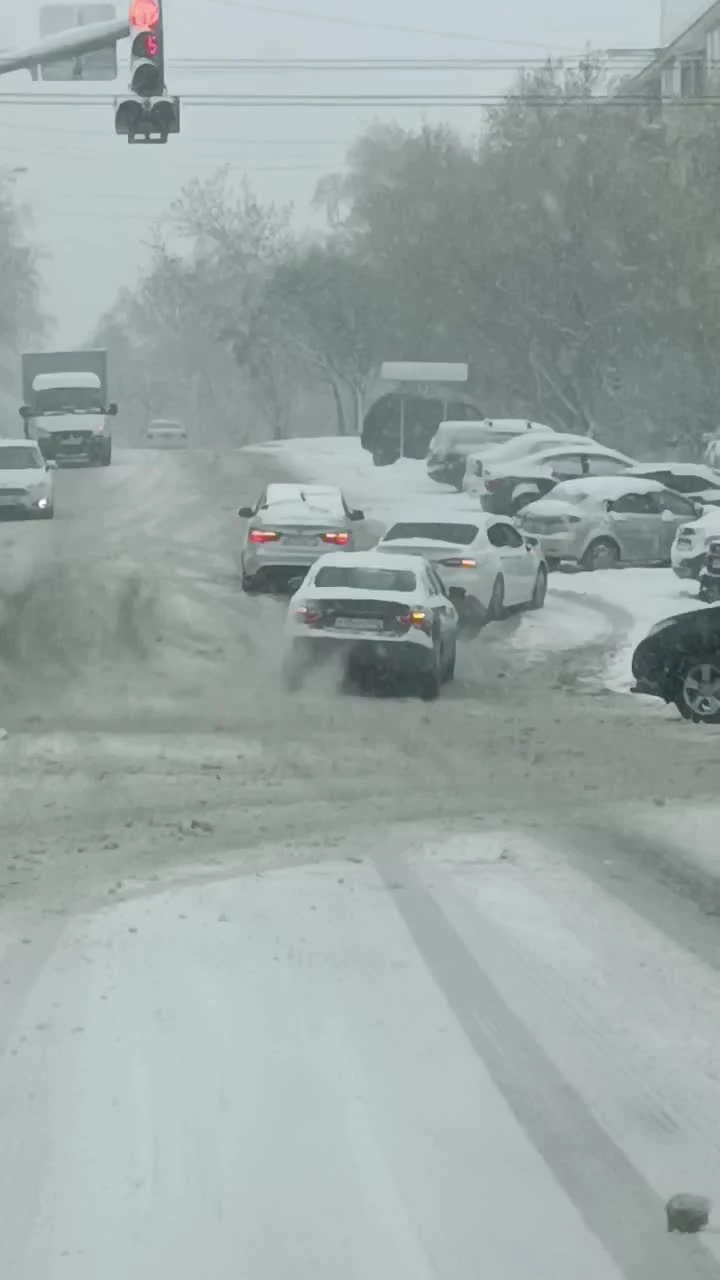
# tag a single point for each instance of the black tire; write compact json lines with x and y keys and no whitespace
{"x":107,"y":458}
{"x":249,"y":586}
{"x":603,"y":553}
{"x":48,"y":514}
{"x":689,"y":698}
{"x":430,"y":682}
{"x":450,"y":665}
{"x":537,"y":600}
{"x":496,"y":606}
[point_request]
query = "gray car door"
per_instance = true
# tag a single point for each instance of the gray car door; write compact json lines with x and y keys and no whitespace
{"x":636,"y":523}
{"x":674,"y":510}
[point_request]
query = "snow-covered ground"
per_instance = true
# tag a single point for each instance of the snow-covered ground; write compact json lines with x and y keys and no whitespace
{"x":412,"y":1063}
{"x":643,"y":596}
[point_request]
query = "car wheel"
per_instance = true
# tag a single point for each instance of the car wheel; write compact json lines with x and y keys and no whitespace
{"x":496,"y":606}
{"x":537,"y":599}
{"x":430,"y":681}
{"x":698,"y":693}
{"x":603,"y":553}
{"x":450,"y":665}
{"x":249,"y":586}
{"x":48,"y":513}
{"x":107,"y":458}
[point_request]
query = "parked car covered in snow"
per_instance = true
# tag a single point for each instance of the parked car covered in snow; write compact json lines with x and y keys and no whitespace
{"x":604,"y":521}
{"x":692,"y":540}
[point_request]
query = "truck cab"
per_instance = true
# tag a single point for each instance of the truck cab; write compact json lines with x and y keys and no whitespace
{"x":66,"y":412}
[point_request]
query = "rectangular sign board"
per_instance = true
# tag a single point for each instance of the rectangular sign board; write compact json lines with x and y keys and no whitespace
{"x":422,"y":371}
{"x":101,"y":64}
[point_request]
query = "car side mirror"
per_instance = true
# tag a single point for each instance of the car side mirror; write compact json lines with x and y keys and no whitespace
{"x":357,"y":515}
{"x":531,"y":542}
{"x":51,"y":465}
{"x":112,"y":410}
{"x":699,"y":508}
{"x":667,"y":517}
{"x":246,"y":513}
{"x":609,"y":505}
{"x":24,"y":411}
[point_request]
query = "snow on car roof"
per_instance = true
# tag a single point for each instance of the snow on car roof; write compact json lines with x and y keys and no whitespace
{"x":608,"y":486}
{"x":367,"y":560}
{"x":294,"y":492}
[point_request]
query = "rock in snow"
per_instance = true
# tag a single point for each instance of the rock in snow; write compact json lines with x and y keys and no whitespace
{"x":687,"y":1213}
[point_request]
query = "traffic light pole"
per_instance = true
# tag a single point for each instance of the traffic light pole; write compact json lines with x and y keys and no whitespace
{"x":68,"y":44}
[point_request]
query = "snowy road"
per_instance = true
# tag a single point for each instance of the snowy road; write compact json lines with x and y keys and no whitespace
{"x":332,"y":985}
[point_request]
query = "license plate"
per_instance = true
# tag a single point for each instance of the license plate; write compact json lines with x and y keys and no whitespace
{"x":359,"y":624}
{"x":301,"y":540}
{"x":714,"y":565}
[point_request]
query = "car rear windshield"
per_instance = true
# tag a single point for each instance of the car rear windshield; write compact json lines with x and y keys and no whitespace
{"x":434,"y":532}
{"x":366,"y":579}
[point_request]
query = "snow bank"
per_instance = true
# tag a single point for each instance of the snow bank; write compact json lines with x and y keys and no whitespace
{"x":645,"y":595}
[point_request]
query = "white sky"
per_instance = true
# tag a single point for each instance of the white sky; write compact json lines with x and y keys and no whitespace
{"x":93,"y":197}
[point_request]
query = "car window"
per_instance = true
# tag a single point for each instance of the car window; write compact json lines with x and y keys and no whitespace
{"x":437,"y":586}
{"x":366,"y":578}
{"x":566,"y":465}
{"x":636,"y":504}
{"x":687,"y":484}
{"x":504,"y":535}
{"x":605,"y":465}
{"x":434,"y":531}
{"x":675,"y":503}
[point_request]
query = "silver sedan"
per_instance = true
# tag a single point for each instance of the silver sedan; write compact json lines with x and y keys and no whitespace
{"x":603,"y":521}
{"x":289,"y":528}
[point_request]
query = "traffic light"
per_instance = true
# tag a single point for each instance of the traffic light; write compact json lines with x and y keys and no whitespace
{"x":149,"y":115}
{"x":143,"y":120}
{"x":147,"y":72}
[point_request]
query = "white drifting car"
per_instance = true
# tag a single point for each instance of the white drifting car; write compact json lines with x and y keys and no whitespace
{"x":485,"y":563}
{"x":26,"y":480}
{"x":691,"y":543}
{"x":390,"y":616}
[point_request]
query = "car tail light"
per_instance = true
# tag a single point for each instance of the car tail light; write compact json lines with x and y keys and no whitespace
{"x":459,"y":564}
{"x":309,"y":613}
{"x":416,"y":618}
{"x":339,"y":539}
{"x":262,"y":535}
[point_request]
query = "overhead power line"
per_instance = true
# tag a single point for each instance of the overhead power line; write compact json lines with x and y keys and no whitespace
{"x":619,"y":61}
{"x":226,"y":100}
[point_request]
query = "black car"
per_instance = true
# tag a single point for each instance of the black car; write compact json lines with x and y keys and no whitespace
{"x":679,"y":661}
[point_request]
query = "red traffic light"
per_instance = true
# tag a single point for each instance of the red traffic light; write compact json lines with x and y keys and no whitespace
{"x":144,"y":14}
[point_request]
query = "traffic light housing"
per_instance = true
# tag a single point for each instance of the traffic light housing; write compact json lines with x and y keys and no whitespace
{"x":144,"y":120}
{"x":147,"y":71}
{"x":149,"y":114}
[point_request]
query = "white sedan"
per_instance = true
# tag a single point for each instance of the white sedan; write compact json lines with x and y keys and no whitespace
{"x":393,"y":618}
{"x":691,"y":543}
{"x":26,"y":480}
{"x":486,"y":564}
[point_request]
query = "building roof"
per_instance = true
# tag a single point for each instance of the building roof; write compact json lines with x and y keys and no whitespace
{"x":691,"y":40}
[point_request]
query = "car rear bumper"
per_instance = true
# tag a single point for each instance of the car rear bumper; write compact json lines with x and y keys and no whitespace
{"x":384,"y":653}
